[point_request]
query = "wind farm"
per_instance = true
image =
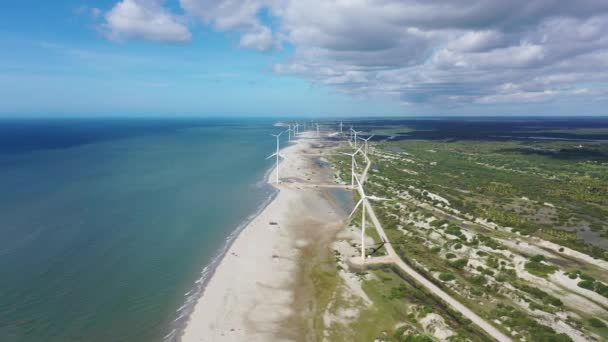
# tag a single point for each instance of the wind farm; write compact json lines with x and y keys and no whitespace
{"x":279,"y":231}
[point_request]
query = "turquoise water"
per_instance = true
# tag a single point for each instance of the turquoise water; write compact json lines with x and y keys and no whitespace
{"x":106,"y":225}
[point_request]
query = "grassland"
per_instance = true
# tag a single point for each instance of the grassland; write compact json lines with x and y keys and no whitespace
{"x":500,"y":225}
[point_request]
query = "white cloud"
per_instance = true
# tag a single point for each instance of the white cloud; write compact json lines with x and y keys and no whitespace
{"x":416,"y":51}
{"x":144,"y":19}
{"x":237,"y":15}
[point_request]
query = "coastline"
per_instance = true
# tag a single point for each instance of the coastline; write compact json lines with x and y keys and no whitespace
{"x":250,"y":293}
{"x":192,"y":296}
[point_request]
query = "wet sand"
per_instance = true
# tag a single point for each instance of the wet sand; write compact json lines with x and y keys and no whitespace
{"x":260,"y":290}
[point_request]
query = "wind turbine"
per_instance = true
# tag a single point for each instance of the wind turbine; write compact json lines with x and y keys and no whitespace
{"x":341,"y":127}
{"x":355,"y":132}
{"x":289,"y":130}
{"x":277,"y":155}
{"x":366,"y":140}
{"x":363,"y":199}
{"x":353,"y":164}
{"x":317,"y":129}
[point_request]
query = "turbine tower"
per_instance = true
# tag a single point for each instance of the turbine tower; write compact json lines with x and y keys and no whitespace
{"x":366,"y":140}
{"x":277,"y":155}
{"x":341,"y":127}
{"x":363,"y":199}
{"x":353,"y":164}
{"x":317,"y":130}
{"x":355,"y":133}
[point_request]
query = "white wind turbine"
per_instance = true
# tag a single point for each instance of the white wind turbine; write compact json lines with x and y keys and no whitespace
{"x":341,"y":127}
{"x":355,"y":133}
{"x":363,"y":199}
{"x":277,"y":154}
{"x":289,"y":130}
{"x":353,"y":164}
{"x":366,"y":140}
{"x":317,"y":129}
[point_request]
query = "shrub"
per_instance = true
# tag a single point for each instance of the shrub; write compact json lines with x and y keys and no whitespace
{"x":460,"y":263}
{"x":596,"y":323}
{"x":478,"y":279}
{"x":450,"y":255}
{"x":538,"y":258}
{"x":539,"y":269}
{"x":446,"y":276}
{"x":586,"y":284}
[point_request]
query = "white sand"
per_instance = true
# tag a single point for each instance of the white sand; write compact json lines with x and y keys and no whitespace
{"x":251,"y":294}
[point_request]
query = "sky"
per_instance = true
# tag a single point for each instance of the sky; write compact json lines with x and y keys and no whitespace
{"x":303,"y":58}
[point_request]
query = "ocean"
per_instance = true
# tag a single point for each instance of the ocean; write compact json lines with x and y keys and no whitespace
{"x":107,"y":225}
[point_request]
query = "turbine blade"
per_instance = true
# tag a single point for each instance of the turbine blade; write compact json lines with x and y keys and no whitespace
{"x":359,"y":185}
{"x":272,"y":155}
{"x":355,"y":208}
{"x":378,"y":198}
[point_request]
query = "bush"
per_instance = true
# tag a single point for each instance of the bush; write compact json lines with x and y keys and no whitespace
{"x":596,"y":323}
{"x":540,"y":294}
{"x":586,"y":284}
{"x":446,"y":276}
{"x":539,"y":269}
{"x":538,"y":258}
{"x":478,"y":279}
{"x":450,"y":256}
{"x":460,"y":263}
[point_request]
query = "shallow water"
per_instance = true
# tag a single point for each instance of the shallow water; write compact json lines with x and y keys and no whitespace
{"x":344,"y":198}
{"x":106,"y":225}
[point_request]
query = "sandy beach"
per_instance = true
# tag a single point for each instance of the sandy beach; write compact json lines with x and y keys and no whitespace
{"x":258,"y":292}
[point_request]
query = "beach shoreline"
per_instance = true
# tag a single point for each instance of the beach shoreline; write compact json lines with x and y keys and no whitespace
{"x":250,"y":293}
{"x":192,"y":296}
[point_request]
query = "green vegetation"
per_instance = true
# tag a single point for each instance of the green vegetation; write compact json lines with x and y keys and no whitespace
{"x":520,"y":322}
{"x":446,"y":276}
{"x":497,"y":194}
{"x":398,"y":307}
{"x":459,"y":264}
{"x":545,"y":298}
{"x":596,"y":323}
{"x":509,"y":182}
{"x":539,"y":269}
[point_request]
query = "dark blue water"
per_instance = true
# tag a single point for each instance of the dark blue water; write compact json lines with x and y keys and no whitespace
{"x":106,"y":224}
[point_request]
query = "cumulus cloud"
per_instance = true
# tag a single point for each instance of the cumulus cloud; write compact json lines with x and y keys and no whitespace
{"x":467,"y":52}
{"x":235,"y":15}
{"x":144,"y":19}
{"x":449,"y":52}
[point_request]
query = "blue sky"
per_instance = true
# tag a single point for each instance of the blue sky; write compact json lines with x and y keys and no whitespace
{"x":55,"y":62}
{"x":274,"y":58}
